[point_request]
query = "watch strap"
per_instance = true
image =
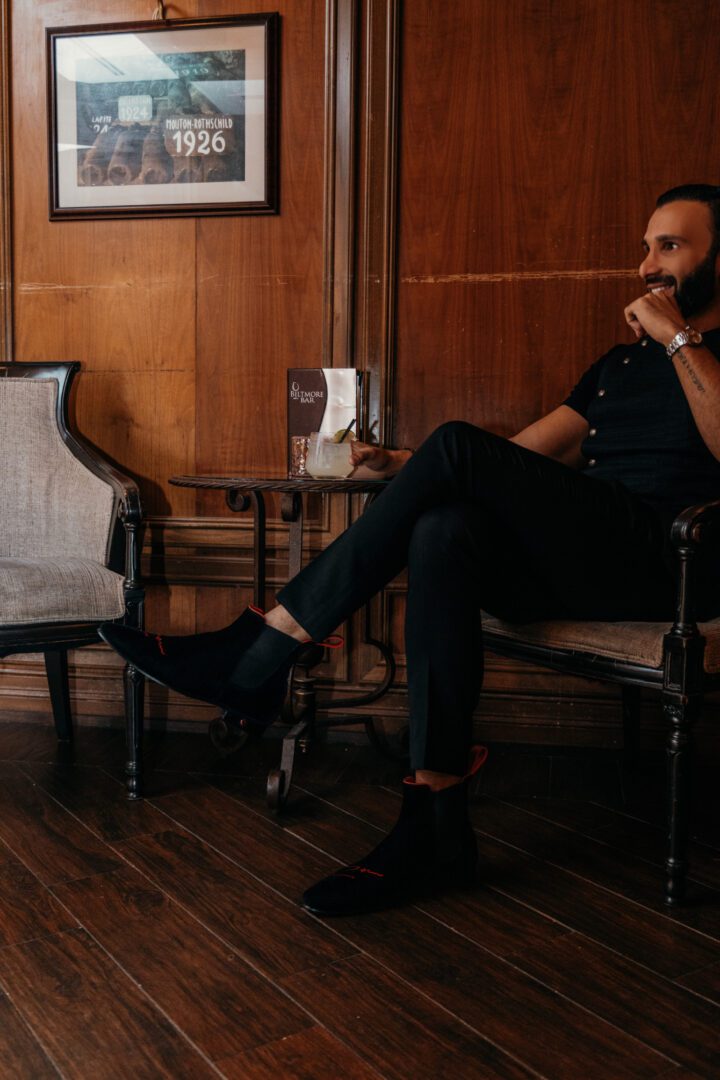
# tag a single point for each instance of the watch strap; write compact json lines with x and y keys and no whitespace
{"x":688,"y":336}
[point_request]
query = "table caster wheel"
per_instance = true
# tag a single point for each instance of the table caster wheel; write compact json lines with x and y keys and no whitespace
{"x":276,"y":789}
{"x":226,"y":734}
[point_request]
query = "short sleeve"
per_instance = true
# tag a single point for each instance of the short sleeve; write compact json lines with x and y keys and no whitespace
{"x":585,"y":389}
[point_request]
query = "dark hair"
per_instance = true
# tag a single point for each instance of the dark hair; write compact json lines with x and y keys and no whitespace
{"x":704,"y":193}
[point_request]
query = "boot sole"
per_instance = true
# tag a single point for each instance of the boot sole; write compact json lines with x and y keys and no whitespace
{"x":461,"y":878}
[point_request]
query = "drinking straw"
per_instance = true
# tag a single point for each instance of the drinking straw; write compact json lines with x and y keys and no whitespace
{"x":347,"y":430}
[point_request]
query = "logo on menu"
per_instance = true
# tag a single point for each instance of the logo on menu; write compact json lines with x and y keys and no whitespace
{"x":305,"y":397}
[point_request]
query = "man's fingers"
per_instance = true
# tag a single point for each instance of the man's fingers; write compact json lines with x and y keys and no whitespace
{"x":633,"y":321}
{"x":361,"y":452}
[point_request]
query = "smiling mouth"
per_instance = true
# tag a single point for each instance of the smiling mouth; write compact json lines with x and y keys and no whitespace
{"x":658,"y":287}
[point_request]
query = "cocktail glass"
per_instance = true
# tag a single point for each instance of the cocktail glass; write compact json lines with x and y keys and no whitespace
{"x":327,"y":459}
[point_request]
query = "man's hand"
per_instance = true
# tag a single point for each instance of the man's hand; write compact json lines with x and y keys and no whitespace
{"x":656,"y":314}
{"x":377,"y":462}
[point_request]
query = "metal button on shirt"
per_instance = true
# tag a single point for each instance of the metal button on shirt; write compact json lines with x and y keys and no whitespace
{"x":626,"y":360}
{"x":592,"y":432}
{"x":601,"y":393}
{"x":592,"y":462}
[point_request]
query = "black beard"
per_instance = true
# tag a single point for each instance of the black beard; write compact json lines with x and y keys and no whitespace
{"x":697,"y":290}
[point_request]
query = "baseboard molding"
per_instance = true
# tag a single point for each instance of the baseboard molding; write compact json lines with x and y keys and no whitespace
{"x":521,"y":715}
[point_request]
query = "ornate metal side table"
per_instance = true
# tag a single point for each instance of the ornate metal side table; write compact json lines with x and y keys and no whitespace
{"x":247,"y":493}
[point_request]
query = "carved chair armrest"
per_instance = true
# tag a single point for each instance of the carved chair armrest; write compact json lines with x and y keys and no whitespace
{"x":124,"y":554}
{"x":697,"y":525}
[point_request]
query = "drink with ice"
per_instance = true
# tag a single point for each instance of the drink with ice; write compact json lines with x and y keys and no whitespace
{"x":328,"y":459}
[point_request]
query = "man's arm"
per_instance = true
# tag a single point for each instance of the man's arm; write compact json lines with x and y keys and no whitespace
{"x":699,"y":373}
{"x":658,"y":315}
{"x":557,"y":435}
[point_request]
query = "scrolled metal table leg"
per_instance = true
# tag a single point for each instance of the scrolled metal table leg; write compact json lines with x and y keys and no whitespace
{"x":238,"y":501}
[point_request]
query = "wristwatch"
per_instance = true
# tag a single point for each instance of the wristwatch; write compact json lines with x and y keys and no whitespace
{"x":688,"y":336}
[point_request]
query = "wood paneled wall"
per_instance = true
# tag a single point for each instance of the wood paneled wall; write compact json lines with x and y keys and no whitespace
{"x":535,"y":136}
{"x":184,"y":327}
{"x":463,"y":191}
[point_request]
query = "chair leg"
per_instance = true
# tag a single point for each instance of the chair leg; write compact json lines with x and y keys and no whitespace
{"x":679,"y":716}
{"x":56,"y":667}
{"x":631,"y":707}
{"x":134,"y":683}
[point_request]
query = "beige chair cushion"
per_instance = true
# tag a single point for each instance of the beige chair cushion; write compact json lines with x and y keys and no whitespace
{"x":640,"y":642}
{"x":58,"y":590}
{"x":51,"y":505}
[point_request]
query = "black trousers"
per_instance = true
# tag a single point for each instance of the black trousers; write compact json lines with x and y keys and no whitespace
{"x":482,"y":523}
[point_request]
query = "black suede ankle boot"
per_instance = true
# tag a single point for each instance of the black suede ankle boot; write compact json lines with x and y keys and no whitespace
{"x":431,"y":847}
{"x":243,"y":667}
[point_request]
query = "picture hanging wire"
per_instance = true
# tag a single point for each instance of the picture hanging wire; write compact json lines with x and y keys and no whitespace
{"x":159,"y":12}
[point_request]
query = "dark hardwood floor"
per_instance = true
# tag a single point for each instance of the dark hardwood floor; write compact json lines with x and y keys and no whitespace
{"x":163,"y":938}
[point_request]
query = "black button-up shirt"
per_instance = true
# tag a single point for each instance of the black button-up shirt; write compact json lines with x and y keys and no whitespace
{"x":642,"y":432}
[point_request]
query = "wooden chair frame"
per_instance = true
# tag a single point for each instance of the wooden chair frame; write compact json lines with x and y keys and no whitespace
{"x":681,"y":680}
{"x":54,"y":639}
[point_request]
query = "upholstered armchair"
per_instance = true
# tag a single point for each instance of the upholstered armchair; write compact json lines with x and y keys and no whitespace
{"x":681,"y":661}
{"x":68,"y":541}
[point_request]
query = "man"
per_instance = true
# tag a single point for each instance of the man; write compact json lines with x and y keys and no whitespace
{"x":569,"y":519}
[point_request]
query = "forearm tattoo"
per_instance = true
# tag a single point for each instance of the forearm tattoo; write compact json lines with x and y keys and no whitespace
{"x":688,"y":367}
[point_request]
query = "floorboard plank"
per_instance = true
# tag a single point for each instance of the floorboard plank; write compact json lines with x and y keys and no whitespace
{"x":625,"y":833}
{"x":97,"y":799}
{"x":259,"y":846}
{"x":27,"y":909}
{"x":20,"y":1053}
{"x":517,"y":1012}
{"x":705,"y":981}
{"x":597,"y":862}
{"x":395,"y":1029}
{"x":313,"y":1054}
{"x":39,"y":742}
{"x":199,"y":982}
{"x":632,"y":997}
{"x":45,"y":837}
{"x":268,"y":930}
{"x":92,"y":1020}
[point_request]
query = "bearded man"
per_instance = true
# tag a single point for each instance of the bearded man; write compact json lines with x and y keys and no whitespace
{"x":570,"y":519}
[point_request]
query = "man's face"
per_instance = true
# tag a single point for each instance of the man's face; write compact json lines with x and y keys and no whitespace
{"x":681,"y":256}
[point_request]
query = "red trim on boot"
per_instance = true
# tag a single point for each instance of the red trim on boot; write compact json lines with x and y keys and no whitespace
{"x":332,"y":641}
{"x":478,"y":757}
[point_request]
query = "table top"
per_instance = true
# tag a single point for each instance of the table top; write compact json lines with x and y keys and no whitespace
{"x":279,"y":483}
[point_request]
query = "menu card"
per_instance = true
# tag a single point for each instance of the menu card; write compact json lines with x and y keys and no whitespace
{"x":322,"y":399}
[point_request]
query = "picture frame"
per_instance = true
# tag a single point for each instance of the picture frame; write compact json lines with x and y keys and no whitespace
{"x":166,"y":118}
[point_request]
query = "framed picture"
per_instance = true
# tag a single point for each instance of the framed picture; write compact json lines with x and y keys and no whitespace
{"x":164,"y":118}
